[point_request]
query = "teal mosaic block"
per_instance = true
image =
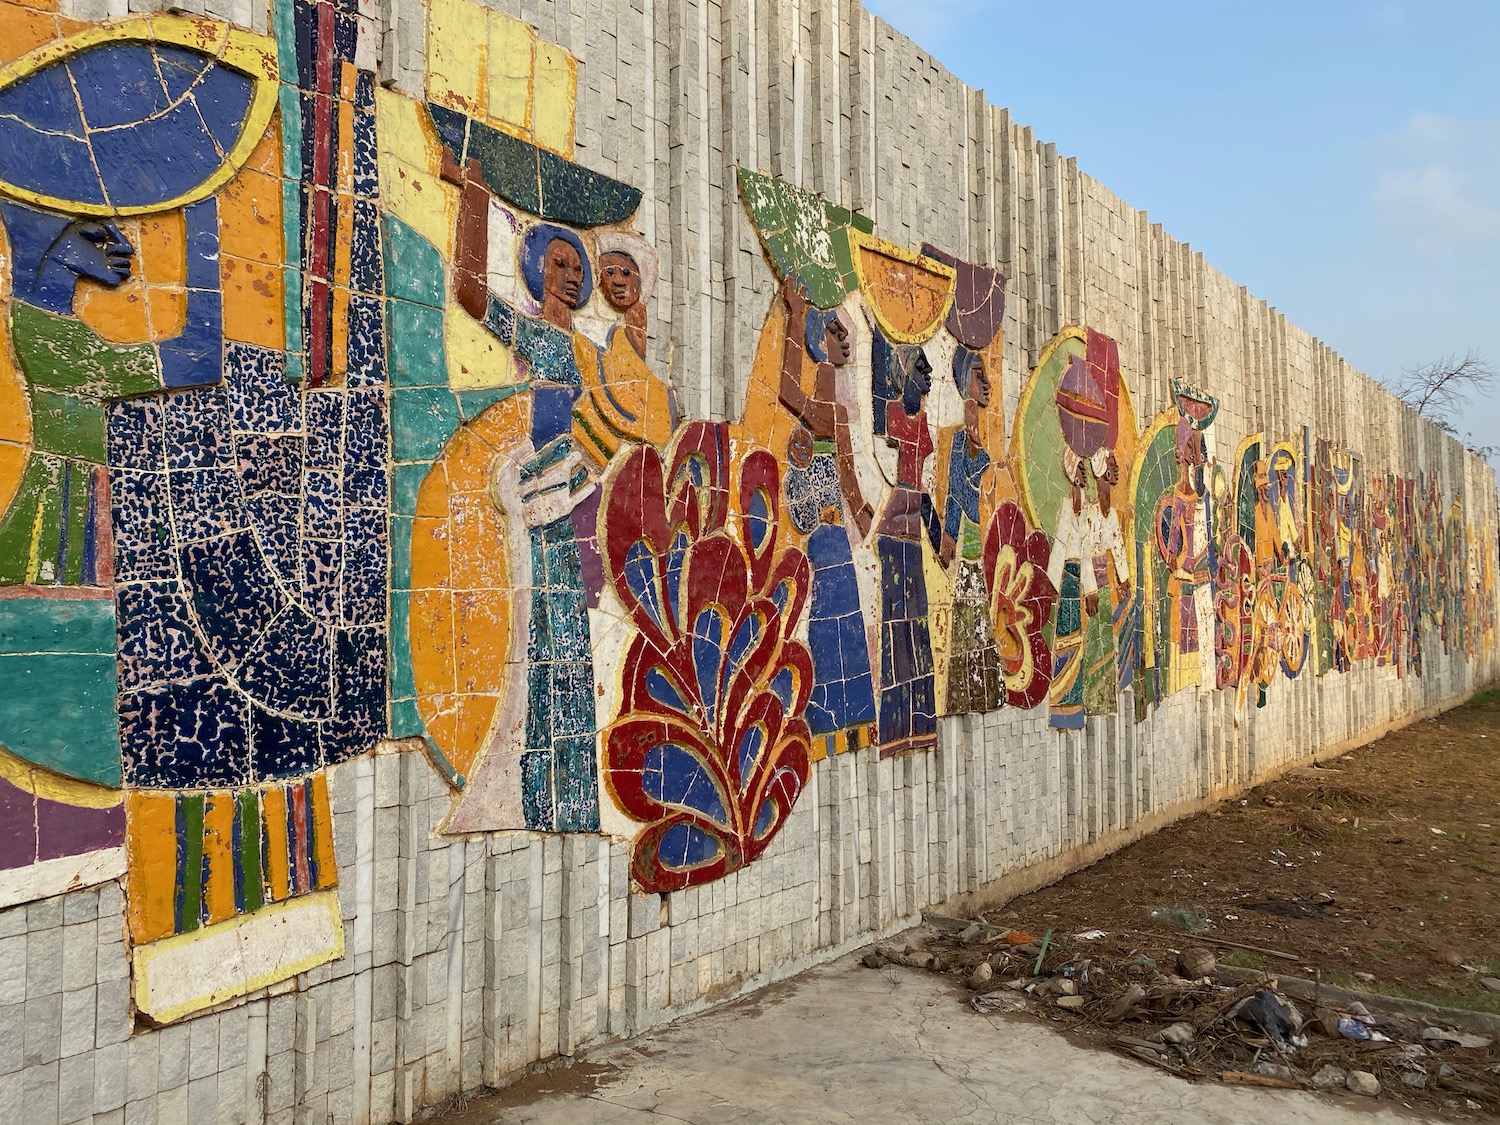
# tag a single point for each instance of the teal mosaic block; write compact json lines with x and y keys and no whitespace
{"x":422,"y":421}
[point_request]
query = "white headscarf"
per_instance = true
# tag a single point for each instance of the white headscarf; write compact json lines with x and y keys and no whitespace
{"x":641,"y":252}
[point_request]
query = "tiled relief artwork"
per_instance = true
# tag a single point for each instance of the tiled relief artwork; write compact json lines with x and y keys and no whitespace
{"x":327,"y":420}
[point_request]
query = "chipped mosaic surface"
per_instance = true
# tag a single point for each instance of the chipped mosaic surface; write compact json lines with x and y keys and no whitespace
{"x":328,"y":416}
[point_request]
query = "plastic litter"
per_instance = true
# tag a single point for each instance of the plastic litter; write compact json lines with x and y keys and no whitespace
{"x":1091,"y":935}
{"x":1274,"y":1014}
{"x":1353,"y":1029}
{"x":1178,"y":917}
{"x":1002,"y":1001}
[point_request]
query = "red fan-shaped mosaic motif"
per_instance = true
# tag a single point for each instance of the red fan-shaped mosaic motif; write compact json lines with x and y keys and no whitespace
{"x":1022,"y":597}
{"x":710,"y":748}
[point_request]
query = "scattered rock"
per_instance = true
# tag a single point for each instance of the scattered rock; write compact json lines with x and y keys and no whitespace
{"x":1362,"y":1082}
{"x":981,"y":976}
{"x":1365,"y":978}
{"x":911,"y":957}
{"x":1178,"y":1033}
{"x":1016,"y":985}
{"x":1071,"y":1002}
{"x":1128,"y":1000}
{"x":971,"y":933}
{"x":1452,"y":958}
{"x":1196,"y":963}
{"x":1330,"y":1077}
{"x":1492,"y":983}
{"x":1416,"y":1078}
{"x":872,"y":959}
{"x":1062,"y":986}
{"x":1322,"y":898}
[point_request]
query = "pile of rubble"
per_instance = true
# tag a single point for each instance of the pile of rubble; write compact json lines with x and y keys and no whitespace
{"x":1197,"y":1019}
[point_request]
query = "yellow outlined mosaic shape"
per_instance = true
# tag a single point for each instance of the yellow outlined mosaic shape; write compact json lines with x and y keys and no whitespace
{"x":246,"y":52}
{"x":909,"y":293}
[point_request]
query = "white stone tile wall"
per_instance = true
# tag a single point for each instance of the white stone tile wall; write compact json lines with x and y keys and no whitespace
{"x":468,"y":960}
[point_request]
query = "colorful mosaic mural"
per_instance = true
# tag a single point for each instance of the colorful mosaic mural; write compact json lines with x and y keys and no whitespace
{"x":329,"y":419}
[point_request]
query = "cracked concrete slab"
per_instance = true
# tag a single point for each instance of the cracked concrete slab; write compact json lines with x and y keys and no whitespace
{"x":844,"y":1044}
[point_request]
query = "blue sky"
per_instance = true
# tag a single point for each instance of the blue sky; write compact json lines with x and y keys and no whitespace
{"x":1339,"y":158}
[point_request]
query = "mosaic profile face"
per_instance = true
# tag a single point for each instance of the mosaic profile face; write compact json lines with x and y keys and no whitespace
{"x":95,"y":249}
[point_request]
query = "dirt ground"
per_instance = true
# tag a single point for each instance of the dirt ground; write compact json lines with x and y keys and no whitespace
{"x":1379,"y":871}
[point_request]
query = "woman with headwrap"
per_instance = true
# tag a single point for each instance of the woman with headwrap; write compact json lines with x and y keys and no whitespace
{"x":626,"y":403}
{"x":908,"y":691}
{"x":821,"y":485}
{"x":559,"y":768}
{"x":1088,"y":557}
{"x":975,"y":680}
{"x":1181,"y":535}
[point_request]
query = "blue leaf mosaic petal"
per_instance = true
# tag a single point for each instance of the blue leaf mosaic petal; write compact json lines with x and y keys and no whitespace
{"x":684,"y":846}
{"x":674,"y":776}
{"x":708,"y":641}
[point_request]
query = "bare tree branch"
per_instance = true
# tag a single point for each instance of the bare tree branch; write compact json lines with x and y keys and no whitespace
{"x":1438,"y":390}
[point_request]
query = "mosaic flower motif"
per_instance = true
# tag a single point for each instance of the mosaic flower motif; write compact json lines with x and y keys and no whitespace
{"x":710,"y":747}
{"x":1234,"y":595}
{"x":1015,"y":564}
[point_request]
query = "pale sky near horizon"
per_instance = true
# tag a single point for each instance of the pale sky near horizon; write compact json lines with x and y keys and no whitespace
{"x":1340,"y":158}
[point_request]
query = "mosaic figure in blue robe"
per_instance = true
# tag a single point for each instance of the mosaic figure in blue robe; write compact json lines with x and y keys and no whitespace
{"x":975,"y":681}
{"x":901,"y":379}
{"x":559,"y":768}
{"x":822,"y":494}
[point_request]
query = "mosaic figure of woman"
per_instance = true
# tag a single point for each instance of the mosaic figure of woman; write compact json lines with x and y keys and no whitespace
{"x":908,"y":688}
{"x":624,"y":402}
{"x":627,"y":403}
{"x":559,"y":766}
{"x":824,"y":499}
{"x":975,"y":678}
{"x":1182,"y":540}
{"x":1088,"y":568}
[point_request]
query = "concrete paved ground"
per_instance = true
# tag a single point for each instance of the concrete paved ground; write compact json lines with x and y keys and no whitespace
{"x":845,"y":1044}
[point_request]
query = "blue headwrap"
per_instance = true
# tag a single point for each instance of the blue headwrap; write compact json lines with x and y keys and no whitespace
{"x":816,"y":332}
{"x":534,"y":256}
{"x":963,"y":362}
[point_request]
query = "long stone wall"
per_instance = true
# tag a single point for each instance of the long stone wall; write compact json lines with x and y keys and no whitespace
{"x":283,"y":839}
